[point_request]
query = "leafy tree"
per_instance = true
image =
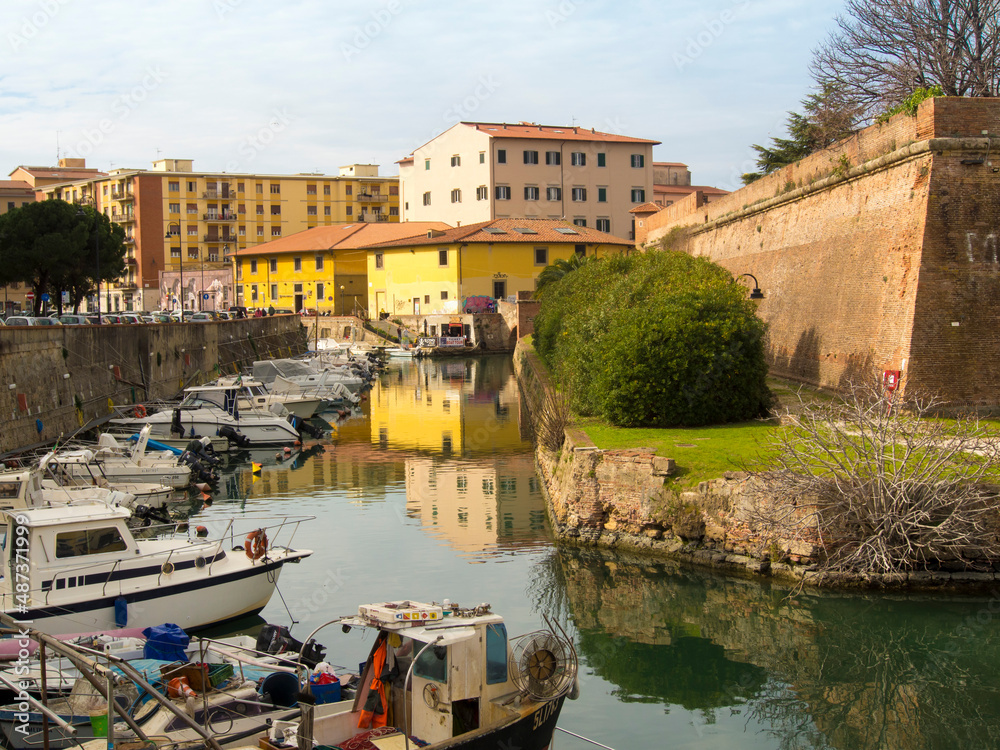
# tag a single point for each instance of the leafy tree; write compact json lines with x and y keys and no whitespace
{"x":881,"y":50}
{"x":556,"y":271}
{"x":657,"y":339}
{"x":55,"y":246}
{"x":827,"y":117}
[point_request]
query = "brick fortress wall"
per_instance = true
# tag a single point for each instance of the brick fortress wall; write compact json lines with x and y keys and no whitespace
{"x":880,"y":251}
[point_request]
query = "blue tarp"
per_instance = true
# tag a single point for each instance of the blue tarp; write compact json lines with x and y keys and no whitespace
{"x":166,"y":642}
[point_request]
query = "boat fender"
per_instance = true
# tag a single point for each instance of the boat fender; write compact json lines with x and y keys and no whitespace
{"x":121,"y":612}
{"x":201,"y":531}
{"x":255,"y":545}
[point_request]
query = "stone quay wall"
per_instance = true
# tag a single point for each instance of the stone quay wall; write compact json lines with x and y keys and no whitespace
{"x":878,"y":252}
{"x":622,"y":499}
{"x":55,"y":379}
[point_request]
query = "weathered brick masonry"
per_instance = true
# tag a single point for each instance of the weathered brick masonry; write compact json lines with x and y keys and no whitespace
{"x":879,"y":251}
{"x":123,"y":363}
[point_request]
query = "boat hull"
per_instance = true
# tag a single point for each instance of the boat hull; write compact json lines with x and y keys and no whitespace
{"x":192,"y":603}
{"x":273,"y":432}
{"x":530,"y":732}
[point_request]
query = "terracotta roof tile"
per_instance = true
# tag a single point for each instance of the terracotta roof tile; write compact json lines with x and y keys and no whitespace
{"x":506,"y":230}
{"x":551,"y":132}
{"x":343,"y":237}
{"x":645,"y":208}
{"x":16,"y":185}
{"x":688,"y":189}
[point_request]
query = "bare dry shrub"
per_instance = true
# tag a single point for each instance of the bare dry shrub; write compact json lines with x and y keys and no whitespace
{"x":882,"y":484}
{"x":550,"y":418}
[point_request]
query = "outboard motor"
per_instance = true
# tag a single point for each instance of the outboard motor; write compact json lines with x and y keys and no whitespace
{"x":176,"y":428}
{"x":203,"y":450}
{"x":302,"y":426}
{"x":235,"y":437}
{"x":276,"y":639}
{"x":198,"y":469}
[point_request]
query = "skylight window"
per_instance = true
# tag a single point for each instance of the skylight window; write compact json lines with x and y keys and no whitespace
{"x":494,"y":230}
{"x":524,"y":230}
{"x":566,"y":230}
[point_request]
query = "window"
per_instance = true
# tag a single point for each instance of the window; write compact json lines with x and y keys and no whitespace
{"x":530,"y":193}
{"x":192,"y":230}
{"x":579,"y":194}
{"x":89,"y":542}
{"x":482,"y":193}
{"x":553,"y":193}
{"x":428,"y":666}
{"x":482,"y":157}
{"x":638,"y":195}
{"x":427,"y":299}
{"x":192,"y":186}
{"x":326,"y":210}
{"x":442,"y":257}
{"x":310,"y":210}
{"x":275,"y":188}
{"x":580,"y":222}
{"x":242,"y":208}
{"x":260,"y":231}
{"x":297,"y":288}
{"x":253,"y":266}
{"x":379,"y":260}
{"x":603,"y":225}
{"x":427,"y":163}
{"x":260,"y":210}
{"x":501,"y":156}
{"x":427,"y":199}
{"x":349,"y":210}
{"x":552,"y":158}
{"x":348,"y":189}
{"x":243,"y":231}
{"x":456,"y":161}
{"x":578,"y":159}
{"x":541,"y":256}
{"x":239,"y":187}
{"x":175,"y":208}
{"x":275,"y":231}
{"x":503,"y":192}
{"x":456,"y":196}
{"x":192,"y":208}
{"x":444,"y":294}
{"x":531,"y":157}
{"x":259,"y":188}
{"x":275,"y":210}
{"x":638,"y":160}
{"x":326,"y":190}
{"x":580,"y":250}
{"x":601,"y":160}
{"x":274,"y":291}
{"x":274,"y":265}
{"x":297,"y":264}
{"x":393,"y":210}
{"x":320,"y":291}
{"x":310,"y":190}
{"x":253,"y":292}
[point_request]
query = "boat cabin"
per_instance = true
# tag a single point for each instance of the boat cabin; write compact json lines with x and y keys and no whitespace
{"x":448,"y":676}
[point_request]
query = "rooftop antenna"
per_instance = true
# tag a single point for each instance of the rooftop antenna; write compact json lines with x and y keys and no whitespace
{"x":574,"y":121}
{"x":157,"y":154}
{"x":57,"y":147}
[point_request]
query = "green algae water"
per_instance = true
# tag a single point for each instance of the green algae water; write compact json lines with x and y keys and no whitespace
{"x":429,"y":492}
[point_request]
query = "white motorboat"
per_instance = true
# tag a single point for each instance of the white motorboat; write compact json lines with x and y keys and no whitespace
{"x":84,"y":464}
{"x":79,"y":569}
{"x":305,"y":374}
{"x":214,"y":410}
{"x":27,"y":488}
{"x":256,"y":395}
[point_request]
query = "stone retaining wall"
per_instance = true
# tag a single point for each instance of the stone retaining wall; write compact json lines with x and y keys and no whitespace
{"x":622,"y":499}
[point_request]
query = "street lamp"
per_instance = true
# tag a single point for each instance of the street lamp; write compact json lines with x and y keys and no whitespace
{"x":341,"y":299}
{"x":180,"y":259}
{"x":756,"y":293}
{"x":231,"y":257}
{"x":97,"y":258}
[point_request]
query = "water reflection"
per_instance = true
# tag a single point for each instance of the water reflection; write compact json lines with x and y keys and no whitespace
{"x":812,"y":670}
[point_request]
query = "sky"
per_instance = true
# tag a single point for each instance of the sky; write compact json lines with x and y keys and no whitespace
{"x":311,"y":85}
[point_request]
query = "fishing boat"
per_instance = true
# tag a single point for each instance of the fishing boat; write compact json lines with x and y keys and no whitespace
{"x":443,"y":676}
{"x":255,"y":394}
{"x":78,"y":568}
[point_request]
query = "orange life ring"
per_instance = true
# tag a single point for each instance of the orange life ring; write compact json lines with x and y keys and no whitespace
{"x":139,"y":412}
{"x":256,"y":544}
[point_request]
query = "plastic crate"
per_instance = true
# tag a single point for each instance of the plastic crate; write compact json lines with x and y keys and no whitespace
{"x":329,"y":693}
{"x":200,"y":676}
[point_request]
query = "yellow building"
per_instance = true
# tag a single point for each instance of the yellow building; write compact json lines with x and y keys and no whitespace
{"x":181,"y":224}
{"x":324,"y":267}
{"x":439,"y":271}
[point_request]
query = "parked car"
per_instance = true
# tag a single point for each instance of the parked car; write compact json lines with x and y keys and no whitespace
{"x":226,"y":315}
{"x":200,"y":317}
{"x":239,"y":311}
{"x":283,"y":311}
{"x":27,"y":320}
{"x":72,"y":319}
{"x":133,"y":318}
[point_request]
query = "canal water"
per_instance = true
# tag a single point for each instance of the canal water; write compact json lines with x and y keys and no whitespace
{"x":429,"y":492}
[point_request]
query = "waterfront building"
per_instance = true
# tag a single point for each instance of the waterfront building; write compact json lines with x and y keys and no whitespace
{"x":324,"y":267}
{"x":14,"y":194}
{"x":481,"y":171}
{"x":181,"y":223}
{"x":435,"y":272}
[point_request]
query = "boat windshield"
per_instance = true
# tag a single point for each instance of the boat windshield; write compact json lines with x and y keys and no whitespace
{"x":196,"y":399}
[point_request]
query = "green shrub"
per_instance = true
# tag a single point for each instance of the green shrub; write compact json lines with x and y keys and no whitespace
{"x":657,"y":339}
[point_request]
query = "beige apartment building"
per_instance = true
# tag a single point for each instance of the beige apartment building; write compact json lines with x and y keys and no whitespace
{"x":479,"y":171}
{"x":188,"y":224}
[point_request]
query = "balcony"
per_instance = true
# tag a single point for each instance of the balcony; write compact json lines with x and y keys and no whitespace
{"x":219,"y":194}
{"x":371,"y":197}
{"x":128,"y":285}
{"x":122,"y":218}
{"x":372,"y":218}
{"x":223,"y":216}
{"x":219,"y":238}
{"x":130,"y":260}
{"x":122,"y":195}
{"x":130,"y":240}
